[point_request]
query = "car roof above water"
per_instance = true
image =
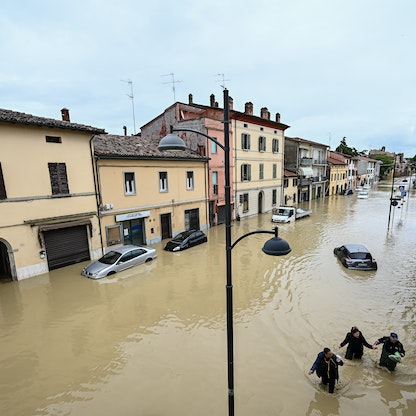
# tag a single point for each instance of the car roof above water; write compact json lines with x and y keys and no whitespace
{"x":356,"y":248}
{"x":124,"y":249}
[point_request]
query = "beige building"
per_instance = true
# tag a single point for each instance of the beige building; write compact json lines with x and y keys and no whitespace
{"x":147,"y":195}
{"x":48,"y":205}
{"x":258,"y":161}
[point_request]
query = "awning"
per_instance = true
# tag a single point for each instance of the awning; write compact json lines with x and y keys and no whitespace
{"x":304,"y":171}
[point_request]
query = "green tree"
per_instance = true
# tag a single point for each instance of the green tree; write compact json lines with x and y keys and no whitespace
{"x":387,"y":164}
{"x":345,"y":149}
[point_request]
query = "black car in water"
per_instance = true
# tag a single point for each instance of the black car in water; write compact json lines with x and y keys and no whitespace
{"x":185,"y":240}
{"x":355,"y":256}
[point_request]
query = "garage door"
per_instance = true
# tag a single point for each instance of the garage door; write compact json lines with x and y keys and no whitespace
{"x":65,"y":246}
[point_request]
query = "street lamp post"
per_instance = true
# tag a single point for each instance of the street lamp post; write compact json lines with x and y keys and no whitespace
{"x":275,"y":246}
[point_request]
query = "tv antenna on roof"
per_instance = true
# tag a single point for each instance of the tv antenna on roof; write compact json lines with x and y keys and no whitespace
{"x":173,"y":82}
{"x":223,"y":80}
{"x":131,"y":96}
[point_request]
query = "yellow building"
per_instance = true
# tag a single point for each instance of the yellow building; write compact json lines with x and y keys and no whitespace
{"x":290,"y":188}
{"x":337,"y":167}
{"x":147,"y":195}
{"x":47,"y":194}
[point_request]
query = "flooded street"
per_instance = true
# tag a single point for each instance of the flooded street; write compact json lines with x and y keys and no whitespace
{"x":152,"y":340}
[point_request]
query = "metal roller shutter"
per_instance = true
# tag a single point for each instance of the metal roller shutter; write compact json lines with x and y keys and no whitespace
{"x":65,"y":246}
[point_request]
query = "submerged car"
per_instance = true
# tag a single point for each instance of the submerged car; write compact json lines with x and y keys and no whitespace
{"x":348,"y":191}
{"x":185,"y":240}
{"x":355,"y":256}
{"x":362,"y":195}
{"x":119,"y":259}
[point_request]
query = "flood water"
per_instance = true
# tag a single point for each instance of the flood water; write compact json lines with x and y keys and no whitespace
{"x":152,"y":340}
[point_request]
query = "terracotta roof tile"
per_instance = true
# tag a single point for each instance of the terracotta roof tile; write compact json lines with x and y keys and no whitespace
{"x":136,"y":147}
{"x":9,"y":116}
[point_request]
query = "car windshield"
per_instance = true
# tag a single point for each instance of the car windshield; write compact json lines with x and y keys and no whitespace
{"x":110,"y":258}
{"x":180,"y":237}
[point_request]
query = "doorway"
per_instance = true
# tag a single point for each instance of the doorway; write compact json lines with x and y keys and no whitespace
{"x":166,"y":225}
{"x":7,"y":270}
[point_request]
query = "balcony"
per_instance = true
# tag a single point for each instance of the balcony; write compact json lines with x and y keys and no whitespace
{"x":306,"y":161}
{"x":320,"y":162}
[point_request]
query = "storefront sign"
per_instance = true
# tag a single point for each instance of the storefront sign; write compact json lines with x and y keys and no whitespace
{"x":132,"y":216}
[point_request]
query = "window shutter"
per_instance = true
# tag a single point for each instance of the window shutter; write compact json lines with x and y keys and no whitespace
{"x":3,"y":194}
{"x":249,"y":172}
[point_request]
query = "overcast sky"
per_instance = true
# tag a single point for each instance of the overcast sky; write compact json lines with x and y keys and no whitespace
{"x":331,"y":68}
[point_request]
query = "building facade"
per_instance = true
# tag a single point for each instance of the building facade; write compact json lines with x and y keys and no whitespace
{"x":256,"y":153}
{"x":48,"y":205}
{"x":146,"y":195}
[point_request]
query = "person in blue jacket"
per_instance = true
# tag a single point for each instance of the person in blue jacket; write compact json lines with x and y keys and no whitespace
{"x":356,"y":343}
{"x":326,"y":367}
{"x":392,"y":351}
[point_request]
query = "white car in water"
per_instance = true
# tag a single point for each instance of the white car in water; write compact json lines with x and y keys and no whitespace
{"x":119,"y":259}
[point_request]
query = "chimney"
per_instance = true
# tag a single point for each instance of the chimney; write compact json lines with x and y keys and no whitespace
{"x":190,"y":99}
{"x":277,"y":117}
{"x":265,"y":113}
{"x":212,"y":100}
{"x":249,"y":108}
{"x":125,"y":130}
{"x":230,"y":103}
{"x":65,"y":114}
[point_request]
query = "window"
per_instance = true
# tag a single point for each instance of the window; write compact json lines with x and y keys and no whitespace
{"x":274,"y":170}
{"x":261,"y":171}
{"x":262,"y":144}
{"x":113,"y":235}
{"x":274,"y":197}
{"x":213,"y":147}
{"x":215,"y":183}
{"x":163,"y":181}
{"x":294,"y":182}
{"x":245,"y":202}
{"x":3,"y":194}
{"x":53,"y":139}
{"x":59,"y":179}
{"x":286,"y":183}
{"x":245,"y":141}
{"x":275,"y":145}
{"x":245,"y":172}
{"x":190,"y":180}
{"x":129,"y":183}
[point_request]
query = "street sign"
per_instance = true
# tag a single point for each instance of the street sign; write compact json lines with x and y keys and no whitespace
{"x":401,"y":187}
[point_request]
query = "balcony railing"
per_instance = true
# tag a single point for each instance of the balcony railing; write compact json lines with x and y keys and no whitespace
{"x":320,"y":162}
{"x":306,"y":161}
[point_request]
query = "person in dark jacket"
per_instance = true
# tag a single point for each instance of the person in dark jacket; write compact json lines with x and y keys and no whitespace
{"x":392,"y":351}
{"x":356,"y":343}
{"x":326,"y":366}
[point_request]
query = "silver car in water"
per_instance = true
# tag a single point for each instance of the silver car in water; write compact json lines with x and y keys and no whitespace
{"x":119,"y":259}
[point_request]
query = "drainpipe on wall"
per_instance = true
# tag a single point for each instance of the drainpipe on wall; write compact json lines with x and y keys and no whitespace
{"x":97,"y":190}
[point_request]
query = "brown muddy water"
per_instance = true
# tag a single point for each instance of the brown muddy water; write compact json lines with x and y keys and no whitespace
{"x":152,"y":340}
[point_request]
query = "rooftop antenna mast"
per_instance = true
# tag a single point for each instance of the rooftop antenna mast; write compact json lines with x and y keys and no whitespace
{"x":173,"y":82}
{"x":223,"y":80}
{"x":131,"y":96}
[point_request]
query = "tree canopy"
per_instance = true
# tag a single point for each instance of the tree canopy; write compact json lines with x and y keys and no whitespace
{"x":345,"y":149}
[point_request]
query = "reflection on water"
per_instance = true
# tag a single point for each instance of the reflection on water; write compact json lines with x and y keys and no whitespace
{"x":152,"y":340}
